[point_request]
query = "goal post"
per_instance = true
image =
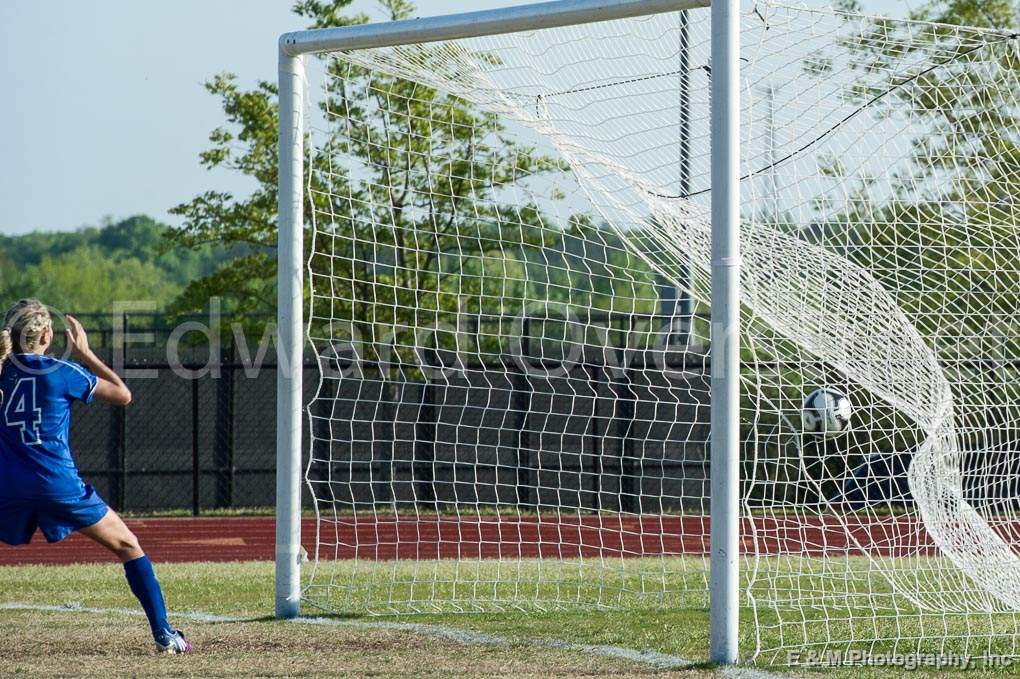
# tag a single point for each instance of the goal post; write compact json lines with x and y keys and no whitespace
{"x":291,"y":334}
{"x":725,"y":336}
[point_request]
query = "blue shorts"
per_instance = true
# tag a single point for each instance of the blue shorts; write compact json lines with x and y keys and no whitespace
{"x":57,"y":518}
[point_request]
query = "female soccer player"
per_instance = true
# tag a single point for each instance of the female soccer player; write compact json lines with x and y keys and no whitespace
{"x":40,"y":486}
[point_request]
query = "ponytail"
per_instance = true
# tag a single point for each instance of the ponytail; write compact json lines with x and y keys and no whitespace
{"x":25,"y":325}
{"x":6,"y":346}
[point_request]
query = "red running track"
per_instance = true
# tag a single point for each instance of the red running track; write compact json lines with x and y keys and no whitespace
{"x":446,"y":537}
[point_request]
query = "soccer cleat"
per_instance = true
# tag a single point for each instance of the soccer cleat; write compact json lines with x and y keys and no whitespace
{"x":173,"y":643}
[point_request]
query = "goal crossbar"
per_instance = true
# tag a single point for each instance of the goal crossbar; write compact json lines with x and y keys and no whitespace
{"x":538,"y":16}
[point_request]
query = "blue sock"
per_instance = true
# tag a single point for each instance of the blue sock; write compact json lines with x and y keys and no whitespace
{"x":144,"y":585}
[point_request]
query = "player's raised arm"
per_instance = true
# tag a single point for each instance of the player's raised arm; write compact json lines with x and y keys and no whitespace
{"x":111,"y":388}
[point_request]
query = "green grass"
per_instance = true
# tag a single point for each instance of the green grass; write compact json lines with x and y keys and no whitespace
{"x":799,"y":603}
{"x":42,"y":643}
{"x":77,"y":643}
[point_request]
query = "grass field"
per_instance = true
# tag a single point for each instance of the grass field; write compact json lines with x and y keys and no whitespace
{"x":82,"y":621}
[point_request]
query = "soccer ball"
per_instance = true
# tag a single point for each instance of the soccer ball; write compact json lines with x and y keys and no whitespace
{"x":826,"y":412}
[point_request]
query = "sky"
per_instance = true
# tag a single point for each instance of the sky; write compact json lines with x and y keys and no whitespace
{"x":103,"y":110}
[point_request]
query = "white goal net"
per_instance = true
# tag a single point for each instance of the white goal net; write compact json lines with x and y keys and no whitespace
{"x":510,"y":284}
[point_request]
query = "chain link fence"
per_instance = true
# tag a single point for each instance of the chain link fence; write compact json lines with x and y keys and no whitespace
{"x":186,"y":443}
{"x":200,"y":435}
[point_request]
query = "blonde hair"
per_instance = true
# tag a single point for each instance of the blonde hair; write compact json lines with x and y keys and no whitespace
{"x":6,"y":346}
{"x":25,"y":325}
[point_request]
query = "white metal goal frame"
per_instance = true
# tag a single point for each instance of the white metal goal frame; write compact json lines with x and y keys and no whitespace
{"x":725,"y":378}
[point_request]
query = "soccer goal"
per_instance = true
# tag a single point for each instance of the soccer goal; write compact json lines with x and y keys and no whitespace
{"x":610,"y":297}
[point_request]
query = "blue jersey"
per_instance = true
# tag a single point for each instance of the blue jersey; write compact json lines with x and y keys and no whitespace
{"x":35,"y":422}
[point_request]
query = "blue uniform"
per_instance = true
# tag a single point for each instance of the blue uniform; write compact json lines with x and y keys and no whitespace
{"x":40,"y":486}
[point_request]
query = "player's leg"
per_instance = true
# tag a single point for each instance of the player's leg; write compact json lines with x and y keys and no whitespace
{"x":112,"y":533}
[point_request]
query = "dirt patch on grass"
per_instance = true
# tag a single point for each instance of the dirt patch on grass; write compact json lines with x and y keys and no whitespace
{"x":78,"y":644}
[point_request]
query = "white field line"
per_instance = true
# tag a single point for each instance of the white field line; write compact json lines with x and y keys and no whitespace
{"x":461,"y":636}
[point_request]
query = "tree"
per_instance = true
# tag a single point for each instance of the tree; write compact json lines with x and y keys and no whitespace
{"x":961,"y":94}
{"x":941,"y":236}
{"x":401,"y":252}
{"x":88,"y":280}
{"x":87,"y":270}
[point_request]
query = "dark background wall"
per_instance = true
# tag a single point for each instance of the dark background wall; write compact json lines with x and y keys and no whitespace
{"x":591,"y":437}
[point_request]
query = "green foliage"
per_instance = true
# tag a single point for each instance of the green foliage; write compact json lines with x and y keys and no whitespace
{"x":86,"y":280}
{"x":247,"y":144}
{"x":943,"y":240}
{"x":90,"y":269}
{"x":968,"y":163}
{"x":411,"y":232}
{"x":999,"y":14}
